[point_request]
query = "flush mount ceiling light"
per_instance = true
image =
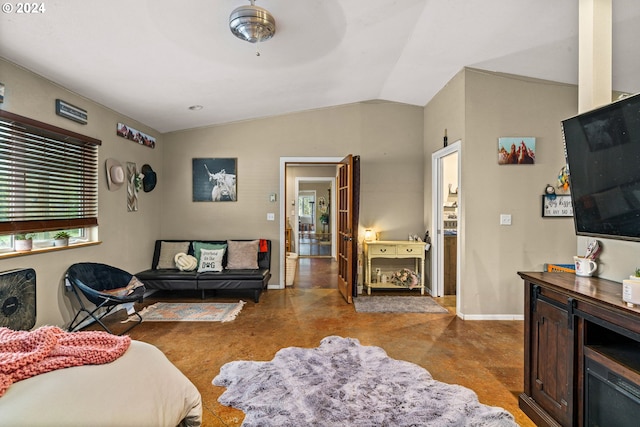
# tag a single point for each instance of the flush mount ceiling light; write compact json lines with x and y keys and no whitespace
{"x":252,"y":23}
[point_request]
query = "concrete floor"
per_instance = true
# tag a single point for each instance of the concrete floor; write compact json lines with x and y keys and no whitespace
{"x":485,"y":356}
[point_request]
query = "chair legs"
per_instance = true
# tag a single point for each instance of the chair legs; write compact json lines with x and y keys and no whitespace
{"x":75,"y":323}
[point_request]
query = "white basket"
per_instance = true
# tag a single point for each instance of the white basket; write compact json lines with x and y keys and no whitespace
{"x":290,"y":266}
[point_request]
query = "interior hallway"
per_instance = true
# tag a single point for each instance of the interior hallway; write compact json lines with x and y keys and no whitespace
{"x":486,"y":356}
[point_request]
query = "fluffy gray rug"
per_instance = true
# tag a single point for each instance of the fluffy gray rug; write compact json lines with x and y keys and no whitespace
{"x":342,"y":383}
{"x":394,"y":304}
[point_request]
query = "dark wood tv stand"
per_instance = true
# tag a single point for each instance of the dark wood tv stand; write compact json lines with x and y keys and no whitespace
{"x":572,"y":323}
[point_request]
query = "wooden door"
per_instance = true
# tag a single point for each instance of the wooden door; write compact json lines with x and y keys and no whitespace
{"x":347,"y":214}
{"x":551,"y":361}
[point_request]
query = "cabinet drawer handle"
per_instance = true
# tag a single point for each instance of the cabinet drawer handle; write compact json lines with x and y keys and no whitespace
{"x":383,"y":250}
{"x":409,"y":249}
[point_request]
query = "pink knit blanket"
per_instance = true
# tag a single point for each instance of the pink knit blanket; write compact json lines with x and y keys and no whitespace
{"x":24,"y":354}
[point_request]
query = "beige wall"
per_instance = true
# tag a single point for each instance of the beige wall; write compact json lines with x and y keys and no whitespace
{"x":395,"y":143}
{"x":386,"y":135}
{"x":499,"y":105}
{"x":127,"y":237}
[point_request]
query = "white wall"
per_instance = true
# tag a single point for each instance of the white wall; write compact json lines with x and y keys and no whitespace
{"x":127,"y":237}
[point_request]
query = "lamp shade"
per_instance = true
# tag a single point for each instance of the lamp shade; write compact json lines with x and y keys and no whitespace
{"x":369,"y":235}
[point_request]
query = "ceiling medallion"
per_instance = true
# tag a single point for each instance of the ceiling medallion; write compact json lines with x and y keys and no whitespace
{"x":252,"y":23}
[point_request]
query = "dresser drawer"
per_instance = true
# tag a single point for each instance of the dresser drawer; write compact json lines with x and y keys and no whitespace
{"x":410,"y":250}
{"x":382,"y":249}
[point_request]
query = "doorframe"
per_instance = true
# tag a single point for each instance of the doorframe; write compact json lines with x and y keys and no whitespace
{"x":283,"y":205}
{"x":437,"y":265}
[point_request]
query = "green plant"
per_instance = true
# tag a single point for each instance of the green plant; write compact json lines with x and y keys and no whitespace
{"x":22,"y":236}
{"x":61,"y":235}
{"x":638,"y":272}
{"x":324,"y":218}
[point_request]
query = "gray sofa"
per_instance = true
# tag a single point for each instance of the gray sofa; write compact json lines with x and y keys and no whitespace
{"x":164,"y":276}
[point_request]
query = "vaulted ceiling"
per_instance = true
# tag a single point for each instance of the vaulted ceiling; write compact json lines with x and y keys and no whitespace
{"x":152,"y":59}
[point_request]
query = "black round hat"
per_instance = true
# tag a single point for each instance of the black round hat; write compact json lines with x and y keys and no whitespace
{"x":150,"y":178}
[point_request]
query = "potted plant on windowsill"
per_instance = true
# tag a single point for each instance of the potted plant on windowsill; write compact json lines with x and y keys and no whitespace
{"x":61,"y":238}
{"x":23,"y":242}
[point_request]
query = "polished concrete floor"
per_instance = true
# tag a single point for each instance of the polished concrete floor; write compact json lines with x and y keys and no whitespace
{"x":486,"y":356}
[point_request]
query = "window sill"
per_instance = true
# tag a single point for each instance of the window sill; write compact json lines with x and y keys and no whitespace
{"x":47,"y":249}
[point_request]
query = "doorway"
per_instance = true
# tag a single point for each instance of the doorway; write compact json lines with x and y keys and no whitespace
{"x":289,"y":196}
{"x":314,"y":213}
{"x":447,"y":217}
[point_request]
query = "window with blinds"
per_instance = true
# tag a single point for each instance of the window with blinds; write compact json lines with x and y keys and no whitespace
{"x":48,"y":177}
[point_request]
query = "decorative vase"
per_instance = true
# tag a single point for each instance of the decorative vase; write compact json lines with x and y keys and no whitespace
{"x":23,"y":245}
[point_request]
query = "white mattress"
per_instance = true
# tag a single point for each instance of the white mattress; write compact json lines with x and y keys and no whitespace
{"x":140,"y":388}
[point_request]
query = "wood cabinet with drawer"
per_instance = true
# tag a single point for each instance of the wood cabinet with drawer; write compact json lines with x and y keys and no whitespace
{"x":393,"y":249}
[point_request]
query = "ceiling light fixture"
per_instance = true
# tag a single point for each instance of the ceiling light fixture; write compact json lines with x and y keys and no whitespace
{"x":252,"y":24}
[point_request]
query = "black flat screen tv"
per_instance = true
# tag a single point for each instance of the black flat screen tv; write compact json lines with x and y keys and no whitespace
{"x":603,"y":156}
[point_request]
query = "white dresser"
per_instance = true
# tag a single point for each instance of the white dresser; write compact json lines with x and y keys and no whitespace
{"x":392,"y":249}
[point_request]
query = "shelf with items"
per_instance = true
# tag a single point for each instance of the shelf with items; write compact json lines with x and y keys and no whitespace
{"x":395,"y":250}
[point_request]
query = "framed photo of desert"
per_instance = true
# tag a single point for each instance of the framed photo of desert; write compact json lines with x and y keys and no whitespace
{"x":215,"y":180}
{"x":519,"y":150}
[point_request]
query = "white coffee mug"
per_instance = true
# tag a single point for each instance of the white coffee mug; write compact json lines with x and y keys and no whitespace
{"x":584,"y":266}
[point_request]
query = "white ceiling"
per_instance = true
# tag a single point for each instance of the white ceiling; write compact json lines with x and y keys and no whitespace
{"x":152,"y":59}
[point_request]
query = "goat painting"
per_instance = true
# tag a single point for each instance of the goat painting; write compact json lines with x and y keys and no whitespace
{"x":214,"y":180}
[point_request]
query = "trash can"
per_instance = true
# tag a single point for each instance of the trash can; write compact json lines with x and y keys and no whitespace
{"x":291,"y":263}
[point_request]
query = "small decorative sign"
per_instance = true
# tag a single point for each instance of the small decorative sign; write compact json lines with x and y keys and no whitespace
{"x":557,"y":205}
{"x":71,"y":112}
{"x":134,"y":135}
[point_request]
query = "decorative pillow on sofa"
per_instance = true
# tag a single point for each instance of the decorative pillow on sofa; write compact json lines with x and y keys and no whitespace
{"x":168,"y":252}
{"x":197,"y":246}
{"x":242,"y":255}
{"x":210,"y":260}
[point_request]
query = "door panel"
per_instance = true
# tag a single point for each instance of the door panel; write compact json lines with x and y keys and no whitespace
{"x":348,"y":180}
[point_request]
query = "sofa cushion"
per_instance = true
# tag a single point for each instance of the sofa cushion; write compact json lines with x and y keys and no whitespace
{"x":168,"y":252}
{"x":198,"y":246}
{"x":210,"y":260}
{"x":242,"y":254}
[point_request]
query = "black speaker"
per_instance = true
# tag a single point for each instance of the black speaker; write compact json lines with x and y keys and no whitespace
{"x":18,"y":299}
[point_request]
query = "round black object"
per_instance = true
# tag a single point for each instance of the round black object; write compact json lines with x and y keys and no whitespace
{"x":18,"y":299}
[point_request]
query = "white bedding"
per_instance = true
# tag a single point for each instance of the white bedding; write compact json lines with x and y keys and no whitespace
{"x":141,"y":388}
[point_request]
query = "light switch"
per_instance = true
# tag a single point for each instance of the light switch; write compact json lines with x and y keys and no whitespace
{"x":271,"y":216}
{"x":505,"y":219}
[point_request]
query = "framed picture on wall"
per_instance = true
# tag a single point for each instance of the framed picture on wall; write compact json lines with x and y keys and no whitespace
{"x":214,"y":180}
{"x":519,"y":150}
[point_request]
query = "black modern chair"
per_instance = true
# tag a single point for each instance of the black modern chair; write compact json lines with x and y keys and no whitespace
{"x":105,"y":286}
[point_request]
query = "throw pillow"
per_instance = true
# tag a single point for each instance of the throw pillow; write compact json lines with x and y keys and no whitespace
{"x":125,"y":291}
{"x":186,"y":262}
{"x":197,"y":246}
{"x":242,"y":255}
{"x":210,"y":260}
{"x":168,"y":251}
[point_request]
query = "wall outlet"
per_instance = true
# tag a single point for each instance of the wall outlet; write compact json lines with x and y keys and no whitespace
{"x":271,"y":216}
{"x":505,"y":219}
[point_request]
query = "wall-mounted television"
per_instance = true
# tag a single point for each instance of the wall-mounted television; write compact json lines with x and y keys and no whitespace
{"x":603,"y":156}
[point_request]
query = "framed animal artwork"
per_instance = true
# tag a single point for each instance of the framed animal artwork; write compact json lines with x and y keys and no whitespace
{"x":215,"y":180}
{"x":519,"y":150}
